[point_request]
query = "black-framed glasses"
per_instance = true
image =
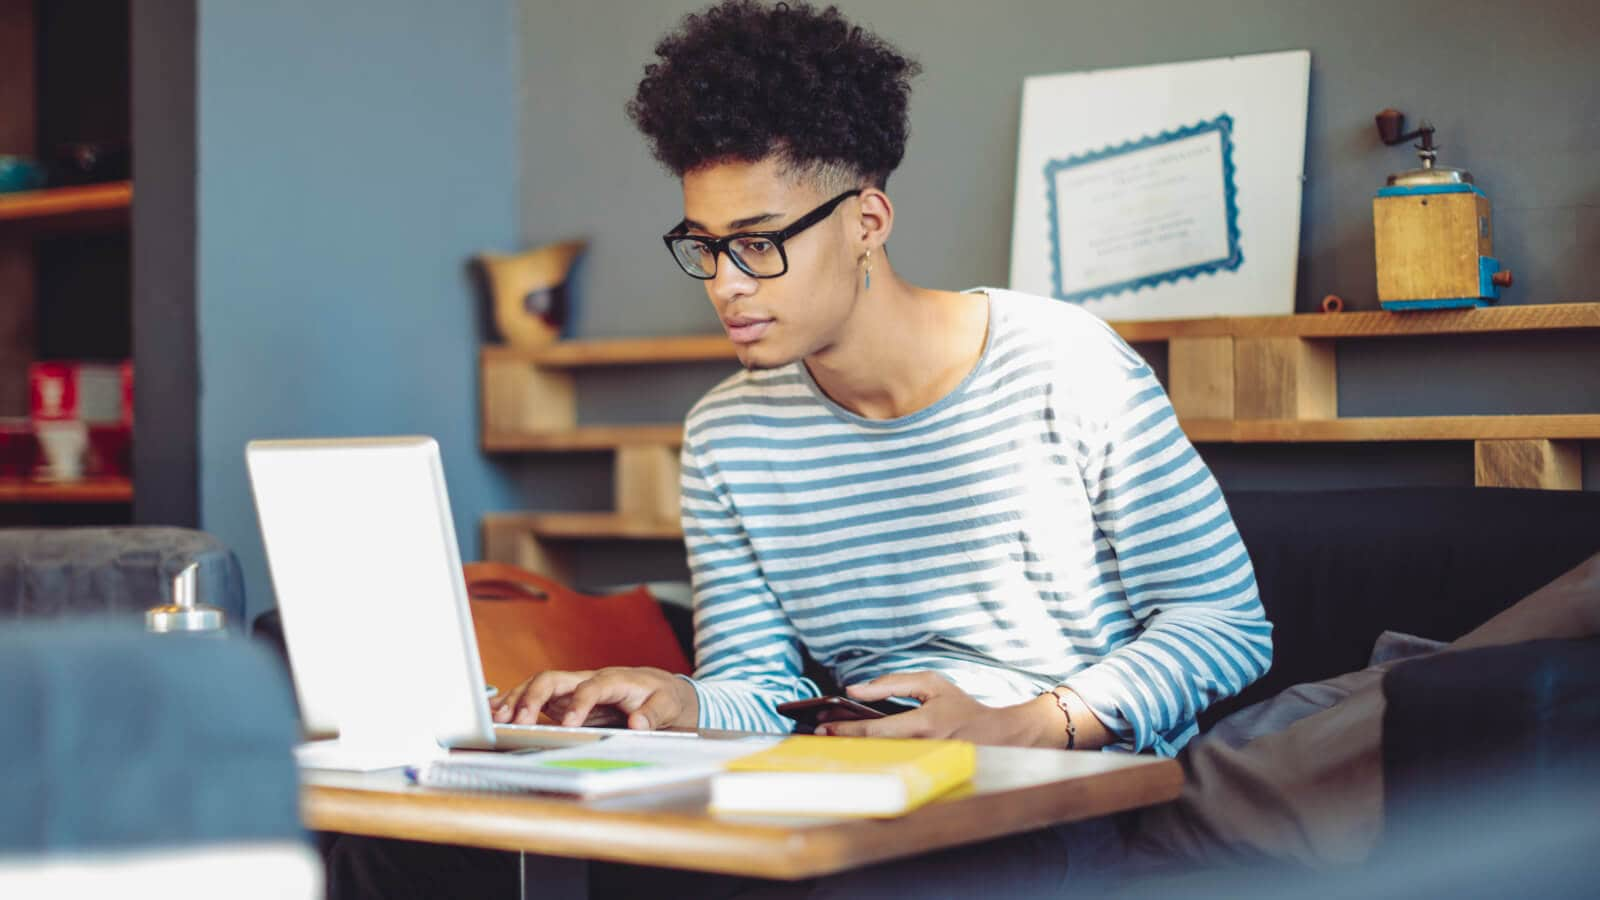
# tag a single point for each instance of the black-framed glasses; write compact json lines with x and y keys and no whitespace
{"x":759,"y":254}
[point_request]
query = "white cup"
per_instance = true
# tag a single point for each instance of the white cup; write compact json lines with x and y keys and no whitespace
{"x":63,"y":446}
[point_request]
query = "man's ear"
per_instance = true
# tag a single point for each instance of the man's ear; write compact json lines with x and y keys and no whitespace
{"x":876,"y":219}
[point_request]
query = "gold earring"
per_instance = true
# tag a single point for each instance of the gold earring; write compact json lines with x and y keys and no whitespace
{"x":869,"y":269}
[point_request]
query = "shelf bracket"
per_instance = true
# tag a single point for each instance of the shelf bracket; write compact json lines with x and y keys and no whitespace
{"x":1285,"y":378}
{"x":1540,"y":464}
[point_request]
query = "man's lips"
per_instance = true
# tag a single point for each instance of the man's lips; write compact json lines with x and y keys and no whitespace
{"x":746,"y":329}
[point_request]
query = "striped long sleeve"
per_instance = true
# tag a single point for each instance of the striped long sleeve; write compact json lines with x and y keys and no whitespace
{"x":748,"y":652}
{"x":1180,"y":565}
{"x":1044,"y":523}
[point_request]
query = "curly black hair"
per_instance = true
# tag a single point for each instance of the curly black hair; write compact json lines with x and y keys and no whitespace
{"x":744,"y":81}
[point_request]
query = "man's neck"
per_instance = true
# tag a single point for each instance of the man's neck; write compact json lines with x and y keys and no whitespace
{"x":902,"y":349}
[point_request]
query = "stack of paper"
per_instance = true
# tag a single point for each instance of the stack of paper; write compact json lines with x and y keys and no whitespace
{"x":615,"y":765}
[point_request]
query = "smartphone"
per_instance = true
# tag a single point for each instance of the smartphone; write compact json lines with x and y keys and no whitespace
{"x":816,"y":710}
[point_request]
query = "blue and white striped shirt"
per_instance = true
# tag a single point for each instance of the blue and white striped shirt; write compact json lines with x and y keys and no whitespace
{"x":1045,"y":523}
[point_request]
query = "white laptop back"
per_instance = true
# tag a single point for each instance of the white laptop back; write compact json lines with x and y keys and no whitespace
{"x":367,"y":572}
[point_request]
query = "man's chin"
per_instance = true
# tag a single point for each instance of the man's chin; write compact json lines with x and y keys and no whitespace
{"x":759,"y":358}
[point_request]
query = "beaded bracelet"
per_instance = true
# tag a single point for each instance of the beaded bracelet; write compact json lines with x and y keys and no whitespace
{"x":1061,"y":701}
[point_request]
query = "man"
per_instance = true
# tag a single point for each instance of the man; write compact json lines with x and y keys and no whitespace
{"x":980,"y":502}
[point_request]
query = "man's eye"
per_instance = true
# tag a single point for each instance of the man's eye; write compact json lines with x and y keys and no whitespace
{"x":757,"y":246}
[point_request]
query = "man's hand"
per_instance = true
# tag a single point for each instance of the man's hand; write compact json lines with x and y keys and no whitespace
{"x":646,"y":698}
{"x":949,"y":712}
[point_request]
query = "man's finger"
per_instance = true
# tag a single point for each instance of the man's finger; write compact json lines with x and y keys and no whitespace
{"x":506,"y":707}
{"x":921,"y":686}
{"x":526,"y":712}
{"x":540,"y":689}
{"x":602,"y":689}
{"x":659,"y":708}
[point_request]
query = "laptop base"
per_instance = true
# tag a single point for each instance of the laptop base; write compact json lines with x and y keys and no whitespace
{"x":337,"y":755}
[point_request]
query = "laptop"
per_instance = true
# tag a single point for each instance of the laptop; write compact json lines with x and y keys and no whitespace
{"x":362,"y":551}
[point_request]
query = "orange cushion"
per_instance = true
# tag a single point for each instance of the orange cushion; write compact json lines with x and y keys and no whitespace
{"x":526,"y":624}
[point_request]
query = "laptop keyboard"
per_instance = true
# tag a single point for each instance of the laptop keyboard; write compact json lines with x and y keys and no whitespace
{"x":597,"y":731}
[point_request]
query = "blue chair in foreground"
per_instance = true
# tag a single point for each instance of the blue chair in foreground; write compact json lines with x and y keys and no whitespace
{"x":147,"y":765}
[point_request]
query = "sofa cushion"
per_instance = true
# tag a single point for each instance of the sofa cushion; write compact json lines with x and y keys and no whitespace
{"x":120,"y":572}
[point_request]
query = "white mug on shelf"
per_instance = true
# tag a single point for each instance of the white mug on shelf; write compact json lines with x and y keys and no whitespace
{"x":62,"y":446}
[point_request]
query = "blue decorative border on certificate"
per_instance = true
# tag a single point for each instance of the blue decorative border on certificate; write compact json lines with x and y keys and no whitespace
{"x":1223,"y":125}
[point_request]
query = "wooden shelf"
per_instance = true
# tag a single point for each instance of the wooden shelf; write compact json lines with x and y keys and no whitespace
{"x":542,"y":542}
{"x":1240,"y":380}
{"x":1200,"y":431}
{"x":629,"y":352}
{"x":1208,"y":364}
{"x":604,"y":437}
{"x":586,"y":526}
{"x":1385,"y":429}
{"x":528,"y":539}
{"x":89,"y":206}
{"x":1489,"y":320}
{"x":1232,"y":380}
{"x":110,"y":490}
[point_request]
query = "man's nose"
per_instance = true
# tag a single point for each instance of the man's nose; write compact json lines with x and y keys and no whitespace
{"x":731,"y":282}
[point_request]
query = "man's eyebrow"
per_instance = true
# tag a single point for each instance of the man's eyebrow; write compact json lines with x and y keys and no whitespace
{"x":736,"y":225}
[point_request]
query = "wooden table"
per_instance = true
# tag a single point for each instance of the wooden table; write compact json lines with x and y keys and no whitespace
{"x":1015,"y":790}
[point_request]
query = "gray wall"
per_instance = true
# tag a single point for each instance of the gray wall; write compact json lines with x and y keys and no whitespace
{"x":352,"y":156}
{"x":1510,"y":86}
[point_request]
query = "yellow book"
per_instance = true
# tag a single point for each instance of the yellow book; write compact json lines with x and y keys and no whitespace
{"x":840,"y":776}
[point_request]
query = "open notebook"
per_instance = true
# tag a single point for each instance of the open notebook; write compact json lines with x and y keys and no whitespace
{"x":615,"y":765}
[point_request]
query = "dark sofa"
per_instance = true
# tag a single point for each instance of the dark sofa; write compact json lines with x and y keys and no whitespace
{"x":1337,"y":568}
{"x":1491,"y":756}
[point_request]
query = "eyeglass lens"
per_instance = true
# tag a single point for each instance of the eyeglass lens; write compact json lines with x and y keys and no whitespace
{"x":757,"y":256}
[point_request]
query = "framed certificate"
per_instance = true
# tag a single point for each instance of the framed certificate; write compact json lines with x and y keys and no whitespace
{"x":1164,"y":191}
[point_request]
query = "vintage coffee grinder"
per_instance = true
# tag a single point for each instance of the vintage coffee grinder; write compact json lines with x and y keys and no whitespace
{"x":1433,"y":232}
